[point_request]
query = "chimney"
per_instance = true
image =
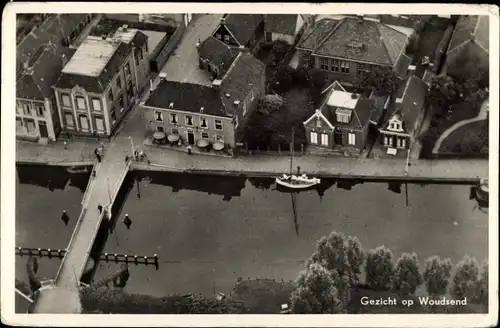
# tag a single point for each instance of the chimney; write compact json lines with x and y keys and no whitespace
{"x":64,"y":60}
{"x":163,"y":76}
{"x":223,"y":20}
{"x":125,"y":27}
{"x":25,"y":65}
{"x":201,"y":109}
{"x":171,"y":105}
{"x":216,"y":84}
{"x":103,"y":36}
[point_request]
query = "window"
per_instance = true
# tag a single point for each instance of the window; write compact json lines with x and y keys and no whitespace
{"x":127,"y":69}
{"x":203,"y":122}
{"x":173,"y":118}
{"x":113,"y":116}
{"x":324,"y":139}
{"x":19,"y":107}
{"x":122,"y":105}
{"x":96,"y":104}
{"x":30,"y":125}
{"x":69,"y":120}
{"x":189,"y":120}
{"x":158,"y":116}
{"x":392,"y":126}
{"x":27,"y":108}
{"x":139,"y":55}
{"x":39,"y":110}
{"x":130,"y":89}
{"x":80,"y":103}
{"x":402,"y":142}
{"x":84,"y":123}
{"x":323,"y":63}
{"x":219,"y":138}
{"x":160,"y":128}
{"x":226,"y":38}
{"x":217,"y":35}
{"x":218,"y":125}
{"x":351,"y":138}
{"x":175,"y":131}
{"x":204,"y":135}
{"x":318,"y":123}
{"x":363,"y":69}
{"x":386,"y":140}
{"x":344,"y":67}
{"x":343,"y":115}
{"x":19,"y":125}
{"x":66,"y":100}
{"x":335,"y":65}
{"x":118,"y":82}
{"x":110,"y":96}
{"x":99,"y":124}
{"x":314,"y":137}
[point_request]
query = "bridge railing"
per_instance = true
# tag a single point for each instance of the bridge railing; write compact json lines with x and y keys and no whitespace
{"x":75,"y":231}
{"x":119,"y":182}
{"x":90,"y":184}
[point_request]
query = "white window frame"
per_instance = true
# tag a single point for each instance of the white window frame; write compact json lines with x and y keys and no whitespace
{"x":205,"y":135}
{"x":27,"y":123}
{"x":324,"y":139}
{"x":27,"y":108}
{"x":186,"y":119}
{"x":67,"y":97}
{"x":160,"y":116}
{"x":227,"y":38}
{"x":351,"y":137}
{"x":216,"y":122}
{"x":20,"y":126}
{"x":19,"y":107}
{"x":72,"y":125}
{"x":100,"y":119}
{"x":203,"y":120}
{"x":40,"y":113}
{"x":77,"y":101}
{"x":174,"y":119}
{"x":218,"y":36}
{"x":84,"y":118}
{"x":97,"y":108}
{"x":319,"y":123}
{"x":313,"y":136}
{"x":386,"y":140}
{"x":335,"y":66}
{"x":344,"y":67}
{"x":342,"y":118}
{"x":323,"y":63}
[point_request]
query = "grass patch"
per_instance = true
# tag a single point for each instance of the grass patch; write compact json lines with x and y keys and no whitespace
{"x":468,"y":139}
{"x":262,"y":296}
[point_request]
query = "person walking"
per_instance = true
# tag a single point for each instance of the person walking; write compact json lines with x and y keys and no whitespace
{"x":96,"y":152}
{"x":99,"y":207}
{"x":298,"y":170}
{"x":127,"y":221}
{"x":189,"y":149}
{"x":65,"y":144}
{"x":65,"y":217}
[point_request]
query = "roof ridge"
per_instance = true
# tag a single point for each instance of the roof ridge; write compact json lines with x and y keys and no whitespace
{"x":384,"y":44}
{"x":329,"y":33}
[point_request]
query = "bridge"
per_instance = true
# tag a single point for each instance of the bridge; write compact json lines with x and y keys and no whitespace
{"x":101,"y":190}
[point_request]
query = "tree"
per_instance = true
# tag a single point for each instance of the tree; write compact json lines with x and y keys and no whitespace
{"x":315,"y":292}
{"x":444,"y":93}
{"x":379,"y":268}
{"x":283,"y":79}
{"x":437,"y":273}
{"x":279,"y":49}
{"x":269,"y":104}
{"x":482,"y":293}
{"x":331,"y":253}
{"x":407,"y":277}
{"x":382,"y":80}
{"x":355,"y":256}
{"x":466,"y":279}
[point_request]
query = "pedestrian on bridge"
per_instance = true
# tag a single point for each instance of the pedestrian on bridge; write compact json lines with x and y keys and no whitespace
{"x":127,"y":221}
{"x":65,"y":217}
{"x":99,"y":207}
{"x":98,"y":155}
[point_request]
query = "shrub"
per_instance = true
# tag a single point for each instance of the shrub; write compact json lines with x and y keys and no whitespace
{"x":379,"y":268}
{"x":355,"y":256}
{"x":407,"y":277}
{"x":482,"y":290}
{"x":465,"y":279}
{"x":279,"y":49}
{"x":436,"y":275}
{"x":270,"y":104}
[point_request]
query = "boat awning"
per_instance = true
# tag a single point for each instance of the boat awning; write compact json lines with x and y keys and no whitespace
{"x":218,"y":146}
{"x":173,"y":137}
{"x":158,"y":135}
{"x":202,"y":143}
{"x":392,"y":151}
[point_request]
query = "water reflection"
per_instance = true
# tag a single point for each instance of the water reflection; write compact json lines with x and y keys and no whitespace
{"x":52,"y":177}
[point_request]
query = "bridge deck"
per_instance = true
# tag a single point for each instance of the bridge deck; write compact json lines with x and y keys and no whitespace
{"x":103,"y":191}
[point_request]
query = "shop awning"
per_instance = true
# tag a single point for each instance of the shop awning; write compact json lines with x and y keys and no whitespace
{"x":158,"y":135}
{"x":173,"y":137}
{"x":218,"y":146}
{"x":202,"y":143}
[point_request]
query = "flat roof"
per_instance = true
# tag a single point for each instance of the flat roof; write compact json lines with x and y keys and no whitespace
{"x":342,"y":99}
{"x":91,"y":56}
{"x":154,"y":38}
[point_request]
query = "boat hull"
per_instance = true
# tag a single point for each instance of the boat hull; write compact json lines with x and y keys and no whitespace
{"x":297,"y":185}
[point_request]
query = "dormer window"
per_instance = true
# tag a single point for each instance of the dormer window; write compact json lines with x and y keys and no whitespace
{"x":343,"y":115}
{"x":318,"y":123}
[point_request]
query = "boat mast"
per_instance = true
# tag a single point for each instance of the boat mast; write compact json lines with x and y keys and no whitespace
{"x":292,"y":145}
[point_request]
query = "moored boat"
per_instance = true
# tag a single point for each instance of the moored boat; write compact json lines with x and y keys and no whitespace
{"x":77,"y":169}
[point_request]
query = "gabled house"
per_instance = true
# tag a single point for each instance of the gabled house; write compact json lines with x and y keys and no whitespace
{"x":215,"y":56}
{"x":349,"y":48}
{"x":240,"y":30}
{"x":101,"y":82}
{"x":401,"y":127}
{"x":342,"y":122}
{"x":40,"y":56}
{"x":469,"y":44}
{"x":286,"y":27}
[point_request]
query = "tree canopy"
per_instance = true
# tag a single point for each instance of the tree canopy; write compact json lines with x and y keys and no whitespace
{"x":466,"y":279}
{"x":382,"y":80}
{"x":379,"y":268}
{"x":407,"y":277}
{"x":436,"y":275}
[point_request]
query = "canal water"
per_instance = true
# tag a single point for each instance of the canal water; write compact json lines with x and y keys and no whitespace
{"x":208,"y":231}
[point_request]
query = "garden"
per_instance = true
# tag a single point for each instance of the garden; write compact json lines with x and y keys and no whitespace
{"x":469,"y":140}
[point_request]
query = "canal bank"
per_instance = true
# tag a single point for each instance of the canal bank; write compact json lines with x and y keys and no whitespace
{"x":208,"y":231}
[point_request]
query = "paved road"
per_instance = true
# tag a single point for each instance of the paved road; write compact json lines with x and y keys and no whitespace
{"x":183,"y":64}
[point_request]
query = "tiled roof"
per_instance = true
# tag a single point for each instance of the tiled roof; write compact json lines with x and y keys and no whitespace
{"x":469,"y":27}
{"x":402,"y":64}
{"x":187,"y":97}
{"x":413,"y":93}
{"x":218,"y":53}
{"x":52,"y":30}
{"x":240,"y":79}
{"x":97,"y":84}
{"x":281,"y":23}
{"x":36,"y":83}
{"x":360,"y":114}
{"x":378,"y":107}
{"x":318,"y":34}
{"x":363,"y":40}
{"x":243,"y":26}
